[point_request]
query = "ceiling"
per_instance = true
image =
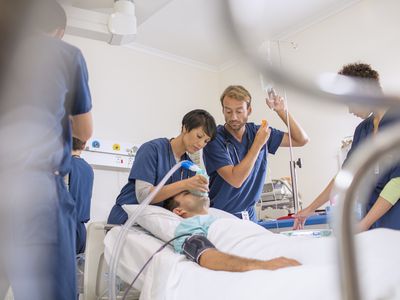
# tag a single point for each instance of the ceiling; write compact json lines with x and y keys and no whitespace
{"x":194,"y":29}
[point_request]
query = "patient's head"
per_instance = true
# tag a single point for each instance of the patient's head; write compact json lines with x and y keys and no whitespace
{"x":188,"y":205}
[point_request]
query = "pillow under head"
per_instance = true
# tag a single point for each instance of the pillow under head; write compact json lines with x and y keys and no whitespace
{"x":162,"y":222}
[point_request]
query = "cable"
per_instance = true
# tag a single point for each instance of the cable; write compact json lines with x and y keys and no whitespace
{"x":149,"y":260}
{"x":275,"y":200}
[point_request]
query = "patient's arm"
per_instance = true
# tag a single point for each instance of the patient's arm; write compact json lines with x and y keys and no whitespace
{"x":199,"y":249}
{"x":216,"y":260}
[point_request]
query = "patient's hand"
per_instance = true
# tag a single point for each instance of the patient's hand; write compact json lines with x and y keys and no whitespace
{"x":280,"y":262}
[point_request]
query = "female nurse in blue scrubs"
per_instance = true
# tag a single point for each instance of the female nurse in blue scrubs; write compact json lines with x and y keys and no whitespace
{"x":383,"y":208}
{"x":156,"y":157}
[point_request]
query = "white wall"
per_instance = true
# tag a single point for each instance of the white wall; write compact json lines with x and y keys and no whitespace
{"x":368,"y":32}
{"x":138,"y":96}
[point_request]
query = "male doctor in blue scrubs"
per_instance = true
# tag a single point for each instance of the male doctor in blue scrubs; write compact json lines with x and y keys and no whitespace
{"x":47,"y":101}
{"x":383,"y":207}
{"x":236,"y":160}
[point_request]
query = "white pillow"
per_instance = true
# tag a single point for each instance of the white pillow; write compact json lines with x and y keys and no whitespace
{"x":159,"y":221}
{"x":162,"y":222}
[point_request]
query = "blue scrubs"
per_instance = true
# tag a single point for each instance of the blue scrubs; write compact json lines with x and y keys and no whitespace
{"x":152,"y":162}
{"x":51,"y":83}
{"x":225,"y":150}
{"x":80,"y":186}
{"x":363,"y":131}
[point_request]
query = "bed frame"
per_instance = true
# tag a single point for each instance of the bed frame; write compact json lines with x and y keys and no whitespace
{"x":96,"y":269}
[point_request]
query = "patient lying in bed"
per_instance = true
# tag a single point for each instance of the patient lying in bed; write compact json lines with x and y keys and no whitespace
{"x":172,"y":276}
{"x":191,"y":239}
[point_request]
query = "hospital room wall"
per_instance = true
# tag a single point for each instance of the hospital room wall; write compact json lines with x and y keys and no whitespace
{"x":358,"y":33}
{"x":138,"y":96}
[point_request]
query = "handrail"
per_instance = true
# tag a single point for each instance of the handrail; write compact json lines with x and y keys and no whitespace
{"x":347,"y":185}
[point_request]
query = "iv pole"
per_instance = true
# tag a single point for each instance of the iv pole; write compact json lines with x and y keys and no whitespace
{"x":293,"y":164}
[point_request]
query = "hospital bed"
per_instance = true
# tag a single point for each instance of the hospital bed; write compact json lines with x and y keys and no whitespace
{"x":95,"y":274}
{"x":172,"y":276}
{"x":318,"y":221}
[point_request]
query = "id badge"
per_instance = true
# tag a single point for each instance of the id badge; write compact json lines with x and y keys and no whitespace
{"x":245,"y":215}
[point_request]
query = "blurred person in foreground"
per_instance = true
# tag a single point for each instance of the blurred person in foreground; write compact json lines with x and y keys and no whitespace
{"x":45,"y":100}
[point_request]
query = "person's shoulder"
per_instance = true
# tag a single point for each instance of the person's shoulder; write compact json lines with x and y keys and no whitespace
{"x":364,"y":123}
{"x":79,"y":160}
{"x":220,"y":137}
{"x":220,"y":131}
{"x":252,"y":125}
{"x":85,"y":163}
{"x":78,"y":163}
{"x":391,"y":116}
{"x":62,"y":46}
{"x":68,"y":47}
{"x":158,"y":143}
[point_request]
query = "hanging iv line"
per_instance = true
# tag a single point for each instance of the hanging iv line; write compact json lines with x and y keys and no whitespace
{"x":271,"y":93}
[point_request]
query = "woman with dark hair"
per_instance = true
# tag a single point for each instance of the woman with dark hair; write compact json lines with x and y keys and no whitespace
{"x":383,"y":206}
{"x":156,"y":157}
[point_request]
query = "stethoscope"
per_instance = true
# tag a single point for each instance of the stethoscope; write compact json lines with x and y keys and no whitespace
{"x":229,"y":144}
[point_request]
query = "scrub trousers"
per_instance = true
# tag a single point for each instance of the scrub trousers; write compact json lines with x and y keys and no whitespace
{"x":80,"y":237}
{"x":37,"y":249}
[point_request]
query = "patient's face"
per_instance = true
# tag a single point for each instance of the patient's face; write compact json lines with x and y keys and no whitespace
{"x":192,"y":203}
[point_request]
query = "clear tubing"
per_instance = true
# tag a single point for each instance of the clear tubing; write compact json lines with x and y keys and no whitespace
{"x":128,"y":224}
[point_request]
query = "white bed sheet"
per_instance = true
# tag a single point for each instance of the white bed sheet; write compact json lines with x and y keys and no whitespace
{"x":171,"y":276}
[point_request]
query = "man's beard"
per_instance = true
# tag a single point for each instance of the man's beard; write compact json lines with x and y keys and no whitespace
{"x":236,"y":127}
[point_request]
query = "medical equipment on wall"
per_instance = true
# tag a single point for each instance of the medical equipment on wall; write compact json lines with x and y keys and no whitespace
{"x":131,"y":220}
{"x":110,"y":155}
{"x":276,"y":200}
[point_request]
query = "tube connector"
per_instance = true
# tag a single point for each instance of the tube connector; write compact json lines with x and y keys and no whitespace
{"x":188,"y":165}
